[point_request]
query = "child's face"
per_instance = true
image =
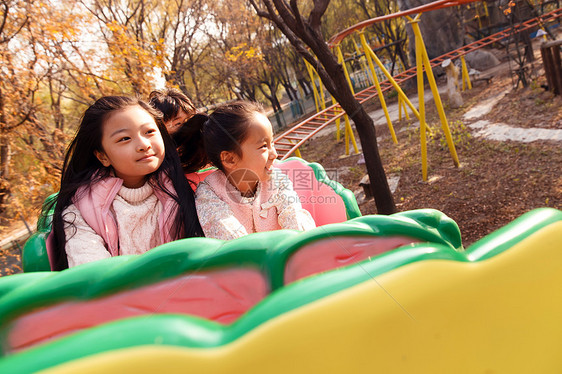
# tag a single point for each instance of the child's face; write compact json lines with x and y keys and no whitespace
{"x":258,"y":154}
{"x":175,"y":123}
{"x":132,"y":145}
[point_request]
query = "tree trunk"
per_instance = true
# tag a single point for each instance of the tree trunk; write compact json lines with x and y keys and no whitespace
{"x":274,"y":100}
{"x":367,"y":136}
{"x":300,"y":31}
{"x":275,"y":105}
{"x":305,"y":85}
{"x":335,"y":82}
{"x":291,"y":92}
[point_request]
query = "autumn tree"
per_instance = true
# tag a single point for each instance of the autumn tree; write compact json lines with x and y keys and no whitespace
{"x":269,"y":86}
{"x":304,"y":31}
{"x":14,"y":19}
{"x":52,"y":68}
{"x":270,"y":73}
{"x":237,"y":54}
{"x":178,"y":27}
{"x":124,"y":26}
{"x":279,"y":59}
{"x":31,"y":90}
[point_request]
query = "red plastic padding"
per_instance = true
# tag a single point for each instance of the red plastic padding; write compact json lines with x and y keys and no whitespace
{"x":332,"y":253}
{"x":220,"y":295}
{"x":198,"y":177}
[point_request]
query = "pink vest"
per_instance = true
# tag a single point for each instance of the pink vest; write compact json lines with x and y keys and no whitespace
{"x":257,"y":216}
{"x":94,"y":203}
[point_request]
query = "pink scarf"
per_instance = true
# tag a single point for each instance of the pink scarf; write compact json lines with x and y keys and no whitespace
{"x":256,"y":214}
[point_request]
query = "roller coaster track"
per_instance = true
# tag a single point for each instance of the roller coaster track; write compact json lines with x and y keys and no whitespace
{"x":290,"y":140}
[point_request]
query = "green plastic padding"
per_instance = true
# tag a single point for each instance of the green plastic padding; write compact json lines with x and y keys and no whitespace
{"x":268,"y":251}
{"x":34,"y":254}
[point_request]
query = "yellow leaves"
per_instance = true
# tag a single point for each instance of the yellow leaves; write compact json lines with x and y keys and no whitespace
{"x":234,"y":54}
{"x":251,"y":53}
{"x":243,"y":52}
{"x":507,"y":10}
{"x":114,"y":26}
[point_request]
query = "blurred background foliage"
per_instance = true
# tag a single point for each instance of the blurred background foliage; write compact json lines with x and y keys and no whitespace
{"x":57,"y":57}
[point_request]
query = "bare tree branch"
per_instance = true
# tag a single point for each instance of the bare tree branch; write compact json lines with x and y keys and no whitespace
{"x":315,"y":17}
{"x":7,"y":38}
{"x":296,"y":14}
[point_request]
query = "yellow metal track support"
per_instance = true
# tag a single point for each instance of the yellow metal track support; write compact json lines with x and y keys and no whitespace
{"x":348,"y":131}
{"x":478,"y":16}
{"x":349,"y":135}
{"x":421,"y":101}
{"x":310,"y":71}
{"x":401,"y":104}
{"x":297,"y":151}
{"x":338,"y":135}
{"x":366,"y":50}
{"x":319,"y":100}
{"x":391,"y":79}
{"x":342,"y":62}
{"x":465,"y":75}
{"x":321,"y":86}
{"x":361,"y":60}
{"x":422,"y":60}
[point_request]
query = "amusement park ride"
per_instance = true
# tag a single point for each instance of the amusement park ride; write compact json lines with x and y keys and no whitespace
{"x":290,"y":140}
{"x":375,"y":293}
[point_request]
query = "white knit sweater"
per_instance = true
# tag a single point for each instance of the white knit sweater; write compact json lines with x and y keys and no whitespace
{"x":136,"y":211}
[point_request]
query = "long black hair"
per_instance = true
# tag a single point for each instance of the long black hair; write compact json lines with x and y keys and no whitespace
{"x":203,"y":137}
{"x":81,"y":167}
